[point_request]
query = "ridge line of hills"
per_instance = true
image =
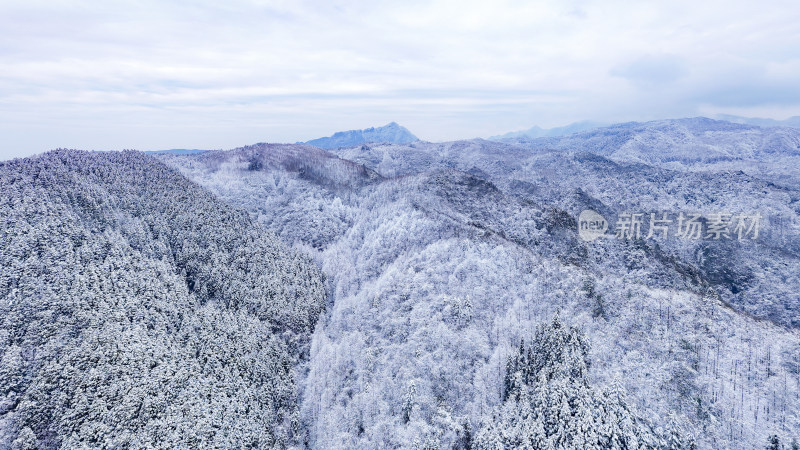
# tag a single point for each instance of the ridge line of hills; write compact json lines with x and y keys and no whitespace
{"x":394,"y":133}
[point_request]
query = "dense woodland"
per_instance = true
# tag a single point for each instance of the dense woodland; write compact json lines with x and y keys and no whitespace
{"x":136,"y":310}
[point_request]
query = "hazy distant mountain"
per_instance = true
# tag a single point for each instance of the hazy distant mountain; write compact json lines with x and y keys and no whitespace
{"x":391,"y":133}
{"x":793,"y":122}
{"x":537,"y":132}
{"x":177,"y":151}
{"x":696,"y":144}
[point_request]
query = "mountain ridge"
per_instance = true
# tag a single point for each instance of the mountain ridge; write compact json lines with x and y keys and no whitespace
{"x":791,"y":122}
{"x":392,"y":133}
{"x":537,"y":131}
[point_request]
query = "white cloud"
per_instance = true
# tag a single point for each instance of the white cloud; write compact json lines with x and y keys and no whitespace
{"x":149,"y":74}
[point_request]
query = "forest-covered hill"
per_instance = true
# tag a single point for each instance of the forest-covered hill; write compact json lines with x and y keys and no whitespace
{"x":137,"y":310}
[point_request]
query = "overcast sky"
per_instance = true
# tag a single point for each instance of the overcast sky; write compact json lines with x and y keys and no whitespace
{"x":221,"y":74}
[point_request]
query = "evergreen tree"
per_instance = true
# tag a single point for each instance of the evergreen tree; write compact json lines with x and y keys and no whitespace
{"x":774,"y":443}
{"x":550,"y":404}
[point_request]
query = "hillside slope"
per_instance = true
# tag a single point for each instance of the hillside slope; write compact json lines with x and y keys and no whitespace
{"x":456,"y":254}
{"x":138,"y":310}
{"x":756,"y":277}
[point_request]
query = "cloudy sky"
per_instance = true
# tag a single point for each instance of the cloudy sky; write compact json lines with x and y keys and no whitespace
{"x":220,"y":74}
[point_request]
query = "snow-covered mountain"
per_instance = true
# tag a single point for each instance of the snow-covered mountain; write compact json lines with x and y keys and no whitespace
{"x":537,"y":132}
{"x":425,"y":295}
{"x":391,"y":133}
{"x":574,"y":181}
{"x":178,"y":151}
{"x":793,"y":122}
{"x":456,"y":254}
{"x":696,"y":144}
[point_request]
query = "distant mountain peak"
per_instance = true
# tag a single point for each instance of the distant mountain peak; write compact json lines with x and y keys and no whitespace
{"x":537,"y":132}
{"x":791,"y":122}
{"x":392,"y":133}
